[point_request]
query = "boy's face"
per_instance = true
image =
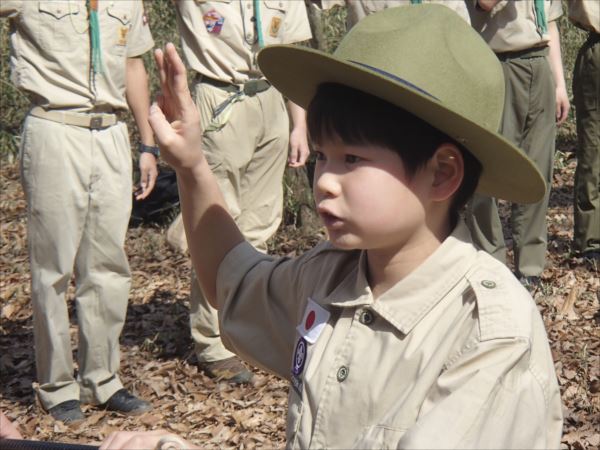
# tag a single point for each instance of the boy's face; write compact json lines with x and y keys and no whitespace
{"x":365,"y":197}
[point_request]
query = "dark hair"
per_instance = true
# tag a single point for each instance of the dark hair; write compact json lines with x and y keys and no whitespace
{"x":358,"y":118}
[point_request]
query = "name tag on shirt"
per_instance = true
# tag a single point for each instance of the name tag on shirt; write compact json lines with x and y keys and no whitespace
{"x":314,"y":320}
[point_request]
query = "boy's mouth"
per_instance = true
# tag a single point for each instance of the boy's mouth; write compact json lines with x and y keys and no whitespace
{"x":330,"y":220}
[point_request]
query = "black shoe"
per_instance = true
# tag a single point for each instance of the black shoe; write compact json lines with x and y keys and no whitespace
{"x":230,"y":369}
{"x":530,"y":283}
{"x":127,"y":403}
{"x":67,"y":412}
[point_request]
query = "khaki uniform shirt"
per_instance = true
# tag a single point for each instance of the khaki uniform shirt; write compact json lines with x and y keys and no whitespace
{"x":585,"y":14}
{"x":512,"y":25}
{"x":359,"y":9}
{"x":219,"y":39}
{"x":50,"y":56}
{"x":453,"y":356}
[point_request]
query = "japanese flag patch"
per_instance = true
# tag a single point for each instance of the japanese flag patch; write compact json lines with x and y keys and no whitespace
{"x":314,"y":320}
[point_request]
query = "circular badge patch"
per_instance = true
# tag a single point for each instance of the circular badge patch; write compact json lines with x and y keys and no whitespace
{"x":299,"y":357}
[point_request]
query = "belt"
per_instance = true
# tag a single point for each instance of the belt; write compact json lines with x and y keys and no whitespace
{"x":533,"y":52}
{"x":93,"y":121}
{"x":250,"y":88}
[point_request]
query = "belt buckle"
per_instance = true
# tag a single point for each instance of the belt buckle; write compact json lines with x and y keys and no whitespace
{"x":251,"y":88}
{"x":96,"y":122}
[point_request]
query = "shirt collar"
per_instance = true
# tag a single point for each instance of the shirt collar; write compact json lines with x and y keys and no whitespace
{"x":409,"y":300}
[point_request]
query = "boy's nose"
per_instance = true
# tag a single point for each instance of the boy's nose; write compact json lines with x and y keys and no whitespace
{"x":326,"y":184}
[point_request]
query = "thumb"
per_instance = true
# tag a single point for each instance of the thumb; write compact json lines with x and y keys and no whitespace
{"x":163,"y":130}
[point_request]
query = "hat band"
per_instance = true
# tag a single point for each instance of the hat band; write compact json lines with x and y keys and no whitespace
{"x":395,"y":78}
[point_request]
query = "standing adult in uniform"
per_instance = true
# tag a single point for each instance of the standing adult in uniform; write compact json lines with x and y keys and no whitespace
{"x":79,"y":63}
{"x":359,"y":9}
{"x":246,"y":131}
{"x":586,"y":94}
{"x":524,"y":35}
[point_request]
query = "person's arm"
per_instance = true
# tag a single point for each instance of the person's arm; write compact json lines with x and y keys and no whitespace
{"x":487,"y":5}
{"x":299,"y":149}
{"x":555,"y":60}
{"x":145,"y":439}
{"x":210,"y":230}
{"x":8,"y":429}
{"x":138,"y":98}
{"x":493,"y":396}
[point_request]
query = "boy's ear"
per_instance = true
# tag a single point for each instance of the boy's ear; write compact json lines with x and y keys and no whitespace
{"x":448,"y":171}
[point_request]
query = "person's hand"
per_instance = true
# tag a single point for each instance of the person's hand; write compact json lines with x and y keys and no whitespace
{"x":7,"y":429}
{"x":299,"y":149}
{"x":562,"y":105}
{"x":148,"y":174}
{"x":175,"y":119}
{"x":144,"y":439}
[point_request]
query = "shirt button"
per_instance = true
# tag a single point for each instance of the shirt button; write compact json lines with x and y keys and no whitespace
{"x":366,"y":317}
{"x":342,"y":373}
{"x":488,"y":284}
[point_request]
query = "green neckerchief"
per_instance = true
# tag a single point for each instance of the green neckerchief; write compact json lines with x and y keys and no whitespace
{"x":259,"y":30}
{"x":415,"y":2}
{"x":540,"y":17}
{"x":95,"y":36}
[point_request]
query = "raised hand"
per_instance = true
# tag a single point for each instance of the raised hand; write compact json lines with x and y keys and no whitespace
{"x":174,"y":118}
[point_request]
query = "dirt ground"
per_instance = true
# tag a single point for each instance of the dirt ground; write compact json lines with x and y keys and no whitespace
{"x":158,"y":361}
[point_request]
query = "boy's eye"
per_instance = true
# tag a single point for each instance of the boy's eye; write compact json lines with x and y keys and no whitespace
{"x":352,"y":159}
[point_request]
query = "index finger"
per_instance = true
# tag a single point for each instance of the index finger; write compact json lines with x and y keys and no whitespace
{"x":177,"y":79}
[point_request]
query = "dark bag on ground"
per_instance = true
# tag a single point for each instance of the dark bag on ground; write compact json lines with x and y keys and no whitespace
{"x":161,"y":205}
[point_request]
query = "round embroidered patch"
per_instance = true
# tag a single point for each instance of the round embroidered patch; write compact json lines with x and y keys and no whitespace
{"x":299,"y":357}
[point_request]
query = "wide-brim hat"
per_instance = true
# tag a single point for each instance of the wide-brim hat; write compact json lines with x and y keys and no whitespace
{"x":426,"y":60}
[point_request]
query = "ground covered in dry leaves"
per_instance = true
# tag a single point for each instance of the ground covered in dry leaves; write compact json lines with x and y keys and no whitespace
{"x":158,"y":362}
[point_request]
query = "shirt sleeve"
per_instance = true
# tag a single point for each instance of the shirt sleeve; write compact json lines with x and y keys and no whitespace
{"x":297,"y":26}
{"x":141,"y":39}
{"x":259,"y":305}
{"x":555,"y":10}
{"x":10,"y":8}
{"x":493,"y":396}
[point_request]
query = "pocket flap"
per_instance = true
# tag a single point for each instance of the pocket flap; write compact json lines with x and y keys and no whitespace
{"x":280,"y":5}
{"x":122,"y":15}
{"x":58,"y":9}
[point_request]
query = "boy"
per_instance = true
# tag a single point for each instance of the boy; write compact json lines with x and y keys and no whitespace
{"x":397,"y":332}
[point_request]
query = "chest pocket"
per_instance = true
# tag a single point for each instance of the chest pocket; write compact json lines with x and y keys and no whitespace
{"x":273,"y":18}
{"x":115,"y":34}
{"x":60,"y":25}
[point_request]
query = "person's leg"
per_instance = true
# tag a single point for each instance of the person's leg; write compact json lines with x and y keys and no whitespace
{"x":529,"y":221}
{"x":482,"y":212}
{"x":262,"y":183}
{"x":55,"y":183}
{"x":586,"y":92}
{"x":228,"y":151}
{"x":484,"y":223}
{"x":101,"y":268}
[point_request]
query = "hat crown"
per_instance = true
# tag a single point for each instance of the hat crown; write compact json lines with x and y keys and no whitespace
{"x":460,"y":70}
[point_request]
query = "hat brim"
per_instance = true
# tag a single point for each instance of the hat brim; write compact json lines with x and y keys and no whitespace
{"x":507,"y":172}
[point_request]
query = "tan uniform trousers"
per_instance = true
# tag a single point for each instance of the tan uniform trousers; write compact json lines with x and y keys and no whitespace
{"x":248,"y":157}
{"x":78,"y":187}
{"x":529,"y":122}
{"x":586,"y":91}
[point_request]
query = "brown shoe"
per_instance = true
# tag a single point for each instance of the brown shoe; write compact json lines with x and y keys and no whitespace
{"x":230,"y":369}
